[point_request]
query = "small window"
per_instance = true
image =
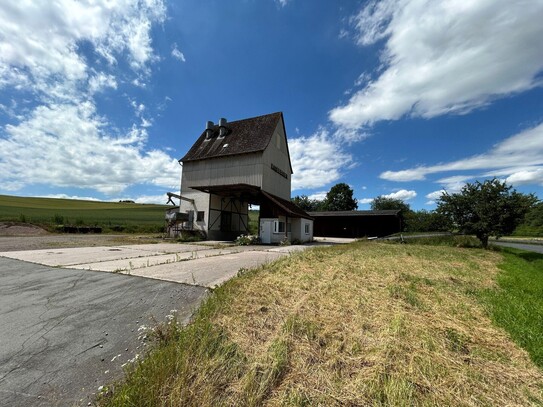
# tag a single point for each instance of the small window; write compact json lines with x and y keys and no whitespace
{"x":278,"y":141}
{"x":307,"y":228}
{"x":200,"y":216}
{"x":278,"y":227}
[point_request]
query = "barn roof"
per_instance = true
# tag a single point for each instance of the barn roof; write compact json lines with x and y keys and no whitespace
{"x":388,"y":212}
{"x":243,"y":136}
{"x":287,"y":207}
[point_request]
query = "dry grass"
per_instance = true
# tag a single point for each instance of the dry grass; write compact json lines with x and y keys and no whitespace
{"x":363,"y":324}
{"x":381,"y":324}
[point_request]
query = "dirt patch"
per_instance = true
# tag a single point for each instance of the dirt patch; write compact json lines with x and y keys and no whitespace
{"x":14,"y":242}
{"x":21,"y":229}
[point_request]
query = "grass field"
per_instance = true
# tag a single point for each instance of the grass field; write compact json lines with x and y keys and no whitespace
{"x":112,"y":216}
{"x":361,"y":324}
{"x":518,"y":305}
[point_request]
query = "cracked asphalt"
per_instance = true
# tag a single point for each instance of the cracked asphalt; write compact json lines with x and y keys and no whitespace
{"x":65,"y":332}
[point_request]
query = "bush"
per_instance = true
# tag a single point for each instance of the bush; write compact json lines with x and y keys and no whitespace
{"x":191,"y":236}
{"x":58,"y":219}
{"x":246,"y":240}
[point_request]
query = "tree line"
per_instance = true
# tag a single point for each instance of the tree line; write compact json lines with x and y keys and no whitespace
{"x":483,"y":209}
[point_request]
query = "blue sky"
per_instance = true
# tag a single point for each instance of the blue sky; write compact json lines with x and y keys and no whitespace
{"x":402,"y":98}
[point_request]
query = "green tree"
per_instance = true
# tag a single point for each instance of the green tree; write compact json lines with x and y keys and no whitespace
{"x":308,"y":205}
{"x":533,"y":222}
{"x":382,"y":203}
{"x":340,"y":198}
{"x":427,"y":221}
{"x":490,"y":208}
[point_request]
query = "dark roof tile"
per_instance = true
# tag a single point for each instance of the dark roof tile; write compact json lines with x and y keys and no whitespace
{"x":243,"y":136}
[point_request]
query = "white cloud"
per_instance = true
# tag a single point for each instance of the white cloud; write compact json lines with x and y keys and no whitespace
{"x":317,"y":160}
{"x":402,"y":194}
{"x":40,"y":42}
{"x":366,"y":201}
{"x":152,"y":199}
{"x":67,"y":145}
{"x":533,"y":176}
{"x":433,"y":196}
{"x":519,"y":158}
{"x":100,"y":82}
{"x":178,"y":54}
{"x":444,"y":57}
{"x":65,"y":196}
{"x":319,"y":196}
{"x":49,"y":49}
{"x":282,"y":3}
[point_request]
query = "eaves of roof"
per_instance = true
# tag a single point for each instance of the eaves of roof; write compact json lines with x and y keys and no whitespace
{"x":390,"y":212}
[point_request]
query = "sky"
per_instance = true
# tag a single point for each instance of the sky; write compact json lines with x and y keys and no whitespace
{"x":399,"y":98}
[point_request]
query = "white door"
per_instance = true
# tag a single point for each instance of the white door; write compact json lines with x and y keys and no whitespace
{"x":265,"y":231}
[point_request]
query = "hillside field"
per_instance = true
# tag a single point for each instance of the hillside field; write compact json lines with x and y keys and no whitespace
{"x":111,"y":216}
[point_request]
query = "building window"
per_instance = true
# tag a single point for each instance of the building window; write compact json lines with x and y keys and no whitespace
{"x":307,"y":228}
{"x":278,"y":141}
{"x":200,"y":216}
{"x":278,"y":227}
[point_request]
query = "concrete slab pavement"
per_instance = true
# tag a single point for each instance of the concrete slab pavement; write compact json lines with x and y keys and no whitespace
{"x":203,"y":265}
{"x":208,"y":271}
{"x":79,"y":255}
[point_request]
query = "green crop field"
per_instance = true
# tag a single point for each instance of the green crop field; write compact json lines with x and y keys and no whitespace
{"x":111,"y":216}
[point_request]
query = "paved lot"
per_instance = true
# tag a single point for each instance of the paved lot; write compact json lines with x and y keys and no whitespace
{"x":64,"y":333}
{"x":69,"y":317}
{"x":205,"y":265}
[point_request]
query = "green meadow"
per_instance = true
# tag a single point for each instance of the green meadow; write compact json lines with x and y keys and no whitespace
{"x":111,"y":216}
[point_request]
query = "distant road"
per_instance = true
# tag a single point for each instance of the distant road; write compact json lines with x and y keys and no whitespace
{"x":405,"y":237}
{"x":523,"y":246}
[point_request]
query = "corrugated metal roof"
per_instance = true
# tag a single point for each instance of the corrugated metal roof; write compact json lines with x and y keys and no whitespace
{"x":243,"y":136}
{"x":287,"y":206}
{"x":388,"y":212}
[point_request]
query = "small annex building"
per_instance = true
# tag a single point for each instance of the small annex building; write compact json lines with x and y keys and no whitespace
{"x":356,"y":223}
{"x":233,"y":165}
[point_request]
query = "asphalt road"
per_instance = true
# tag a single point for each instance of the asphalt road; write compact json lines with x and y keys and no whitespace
{"x":523,"y":246}
{"x":64,"y":332}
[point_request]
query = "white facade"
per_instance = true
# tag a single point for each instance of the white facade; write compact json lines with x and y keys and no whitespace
{"x":276,"y":230}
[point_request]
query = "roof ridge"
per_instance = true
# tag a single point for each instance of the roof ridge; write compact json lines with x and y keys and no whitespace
{"x":252,"y":118}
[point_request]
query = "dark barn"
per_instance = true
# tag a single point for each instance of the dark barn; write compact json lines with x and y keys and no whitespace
{"x":356,"y":223}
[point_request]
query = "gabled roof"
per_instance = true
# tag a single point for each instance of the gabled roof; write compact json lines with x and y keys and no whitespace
{"x":243,"y":136}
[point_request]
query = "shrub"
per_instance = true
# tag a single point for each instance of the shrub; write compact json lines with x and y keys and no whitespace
{"x":191,"y":236}
{"x":58,"y":219}
{"x":246,"y":240}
